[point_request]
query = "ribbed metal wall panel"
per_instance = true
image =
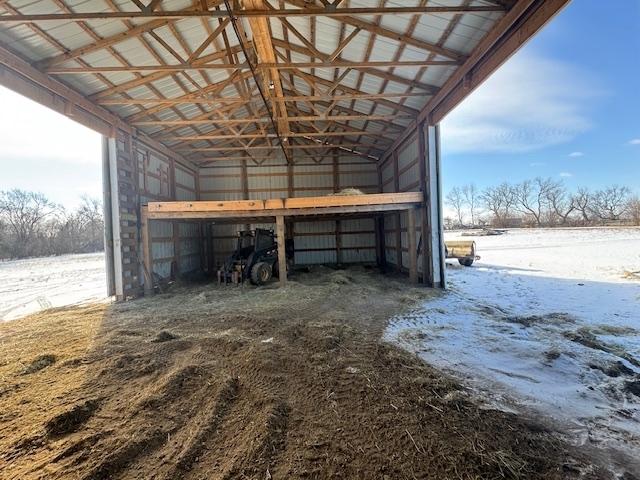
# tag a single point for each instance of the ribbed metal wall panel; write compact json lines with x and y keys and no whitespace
{"x":315,"y":241}
{"x":186,"y":179}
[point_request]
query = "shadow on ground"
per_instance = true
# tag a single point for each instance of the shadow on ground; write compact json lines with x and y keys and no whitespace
{"x":227,"y":382}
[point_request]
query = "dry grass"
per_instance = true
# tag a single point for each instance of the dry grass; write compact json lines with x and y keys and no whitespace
{"x":243,"y":382}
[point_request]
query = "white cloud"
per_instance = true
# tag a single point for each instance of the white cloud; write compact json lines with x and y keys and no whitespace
{"x":566,"y":174}
{"x":634,"y":141}
{"x":31,"y":131}
{"x":537,"y":164}
{"x":529,"y":103}
{"x":576,"y":154}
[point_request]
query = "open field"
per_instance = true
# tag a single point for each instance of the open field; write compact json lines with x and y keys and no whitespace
{"x":547,"y":321}
{"x":226,"y":382}
{"x":34,"y":284}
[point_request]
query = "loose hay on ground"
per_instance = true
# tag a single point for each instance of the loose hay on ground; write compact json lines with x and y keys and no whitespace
{"x":324,"y":397}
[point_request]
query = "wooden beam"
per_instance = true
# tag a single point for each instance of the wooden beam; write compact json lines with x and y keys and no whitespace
{"x":264,"y":48}
{"x":109,"y":41}
{"x":245,"y":66}
{"x":371,"y":71}
{"x":289,"y":98}
{"x":282,"y":253}
{"x":299,"y":118}
{"x":249,"y":13}
{"x":297,"y":212}
{"x":147,"y":260}
{"x":194,"y":138}
{"x":253,"y":206}
{"x":411,"y":245}
{"x":323,"y":146}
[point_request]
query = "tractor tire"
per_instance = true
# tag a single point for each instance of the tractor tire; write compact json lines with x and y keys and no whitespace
{"x":466,"y":262}
{"x":261,"y":273}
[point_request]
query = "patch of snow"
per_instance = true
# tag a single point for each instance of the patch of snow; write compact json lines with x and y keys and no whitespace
{"x":34,"y":284}
{"x":547,"y":321}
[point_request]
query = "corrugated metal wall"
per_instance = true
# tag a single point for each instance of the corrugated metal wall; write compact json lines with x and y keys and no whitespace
{"x":316,"y":242}
{"x":175,"y":246}
{"x":400,"y":172}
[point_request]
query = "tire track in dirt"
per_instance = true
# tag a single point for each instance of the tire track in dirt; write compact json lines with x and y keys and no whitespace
{"x":267,"y":384}
{"x":205,"y":428}
{"x":111,"y":465}
{"x":259,"y":461}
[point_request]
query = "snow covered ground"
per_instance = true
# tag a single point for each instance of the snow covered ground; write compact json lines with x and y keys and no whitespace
{"x":27,"y":286}
{"x":548,"y":321}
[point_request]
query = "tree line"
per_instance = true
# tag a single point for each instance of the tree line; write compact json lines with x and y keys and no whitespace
{"x":541,"y":202}
{"x":31,"y":226}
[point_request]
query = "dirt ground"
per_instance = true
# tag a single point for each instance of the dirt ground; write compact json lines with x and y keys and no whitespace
{"x":228,"y":382}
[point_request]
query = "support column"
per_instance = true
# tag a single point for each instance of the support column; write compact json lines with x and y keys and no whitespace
{"x":282,"y":254}
{"x":147,"y":264}
{"x":433,"y":242}
{"x":108,"y":218}
{"x":112,"y":154}
{"x":411,"y":242}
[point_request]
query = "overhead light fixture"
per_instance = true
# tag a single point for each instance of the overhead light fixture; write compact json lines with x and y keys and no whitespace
{"x":271,"y":85}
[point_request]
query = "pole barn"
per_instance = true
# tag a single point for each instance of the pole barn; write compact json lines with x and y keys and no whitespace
{"x":218,"y":114}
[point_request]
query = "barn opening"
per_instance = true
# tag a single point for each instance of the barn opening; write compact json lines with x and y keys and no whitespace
{"x":222,"y":116}
{"x":319,"y":120}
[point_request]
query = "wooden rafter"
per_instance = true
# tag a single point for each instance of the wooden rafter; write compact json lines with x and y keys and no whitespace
{"x":203,"y":91}
{"x":341,"y":13}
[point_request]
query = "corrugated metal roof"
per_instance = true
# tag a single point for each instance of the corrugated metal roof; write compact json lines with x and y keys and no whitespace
{"x":171,"y":41}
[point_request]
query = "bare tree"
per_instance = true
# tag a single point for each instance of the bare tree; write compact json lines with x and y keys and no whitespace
{"x":633,"y":210}
{"x":611,"y":203}
{"x":471,"y":199}
{"x":582,"y":200}
{"x":24,"y":214}
{"x":561,"y":204}
{"x":532,"y":197}
{"x":455,"y":199}
{"x":499,"y":201}
{"x":91,"y":223}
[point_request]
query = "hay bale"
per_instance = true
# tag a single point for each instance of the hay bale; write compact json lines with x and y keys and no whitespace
{"x":347,"y":191}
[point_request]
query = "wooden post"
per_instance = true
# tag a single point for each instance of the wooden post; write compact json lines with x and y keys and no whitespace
{"x":425,"y":218}
{"x":396,"y":188}
{"x":411,"y":242}
{"x":381,"y":253}
{"x":282,"y":258}
{"x":147,"y":264}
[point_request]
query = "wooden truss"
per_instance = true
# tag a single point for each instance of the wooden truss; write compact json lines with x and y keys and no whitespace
{"x":226,"y":76}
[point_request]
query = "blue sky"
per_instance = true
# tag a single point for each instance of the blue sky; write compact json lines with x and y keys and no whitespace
{"x":565,"y":106}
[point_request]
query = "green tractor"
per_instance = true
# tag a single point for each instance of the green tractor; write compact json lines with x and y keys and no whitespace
{"x":255,"y":258}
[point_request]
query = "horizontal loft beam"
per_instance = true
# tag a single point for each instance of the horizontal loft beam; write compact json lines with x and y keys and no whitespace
{"x":285,"y":206}
{"x":287,"y":212}
{"x":286,"y":12}
{"x":288,"y":98}
{"x":245,"y":66}
{"x":307,"y":118}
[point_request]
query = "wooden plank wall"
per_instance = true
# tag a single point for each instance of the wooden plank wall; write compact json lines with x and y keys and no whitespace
{"x":316,"y":242}
{"x":400,"y":172}
{"x":145,"y":174}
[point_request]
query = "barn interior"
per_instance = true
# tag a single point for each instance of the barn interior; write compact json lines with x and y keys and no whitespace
{"x":256,"y":101}
{"x":318,"y":119}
